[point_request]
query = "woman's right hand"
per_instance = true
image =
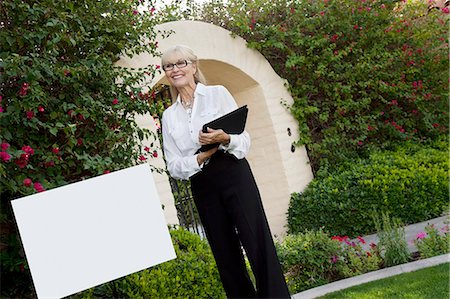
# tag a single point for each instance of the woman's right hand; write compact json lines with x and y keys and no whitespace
{"x":203,"y":156}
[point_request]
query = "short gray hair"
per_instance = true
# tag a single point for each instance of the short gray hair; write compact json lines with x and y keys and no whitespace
{"x":188,"y":54}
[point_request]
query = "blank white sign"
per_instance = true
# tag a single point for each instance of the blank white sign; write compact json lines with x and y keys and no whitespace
{"x":88,"y":233}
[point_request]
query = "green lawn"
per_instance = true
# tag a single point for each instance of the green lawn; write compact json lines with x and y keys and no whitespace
{"x":429,"y":283}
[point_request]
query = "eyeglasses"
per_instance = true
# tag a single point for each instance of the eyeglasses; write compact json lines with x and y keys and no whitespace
{"x":180,"y":64}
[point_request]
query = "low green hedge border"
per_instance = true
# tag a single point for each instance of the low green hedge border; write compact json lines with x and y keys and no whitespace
{"x":410,"y":183}
{"x":193,"y":274}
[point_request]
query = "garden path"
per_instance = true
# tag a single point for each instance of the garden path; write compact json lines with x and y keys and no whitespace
{"x":410,"y":232}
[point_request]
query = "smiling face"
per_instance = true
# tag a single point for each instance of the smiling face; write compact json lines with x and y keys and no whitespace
{"x":180,"y":76}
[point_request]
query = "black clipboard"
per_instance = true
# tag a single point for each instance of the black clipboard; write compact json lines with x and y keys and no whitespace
{"x":230,"y":123}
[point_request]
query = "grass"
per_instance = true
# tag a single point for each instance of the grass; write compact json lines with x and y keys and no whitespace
{"x":432,"y":283}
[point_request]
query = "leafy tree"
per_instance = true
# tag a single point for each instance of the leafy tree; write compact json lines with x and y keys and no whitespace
{"x":66,"y":112}
{"x":362,"y":73}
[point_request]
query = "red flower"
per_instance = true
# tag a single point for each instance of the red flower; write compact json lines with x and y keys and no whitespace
{"x":70,"y":112}
{"x":28,"y":149}
{"x":360,"y":143}
{"x":147,"y":149}
{"x":361,"y":240}
{"x":106,"y":171}
{"x":334,"y":38}
{"x":435,"y":125}
{"x":322,"y":13}
{"x":135,"y":12}
{"x":5,"y":156}
{"x":22,"y":161}
{"x":30,"y":114}
{"x":80,"y":117}
{"x":79,"y":141}
{"x":370,"y":128}
{"x":55,"y":150}
{"x":155,"y":154}
{"x":38,"y":187}
{"x":394,"y":102}
{"x":41,"y":109}
{"x":368,"y":254}
{"x":4,"y":146}
{"x":49,"y":164}
{"x":24,"y":89}
{"x":142,"y":158}
{"x":115,"y":102}
{"x":372,"y":245}
{"x":27,"y":182}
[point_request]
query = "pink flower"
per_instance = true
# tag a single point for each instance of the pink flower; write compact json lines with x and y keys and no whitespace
{"x":360,"y":142}
{"x":135,"y":12}
{"x":370,"y":128}
{"x":27,"y":182}
{"x":28,"y":149}
{"x":41,"y":109}
{"x":394,"y":102}
{"x":4,"y":146}
{"x":334,"y":259}
{"x":155,"y":154}
{"x":361,"y":240}
{"x":382,"y":112}
{"x":142,"y":158}
{"x":5,"y":156}
{"x":1,"y":109}
{"x":322,"y":13}
{"x":372,"y":245}
{"x":106,"y":171}
{"x":30,"y":114}
{"x":147,"y":149}
{"x":115,"y":102}
{"x":38,"y":187}
{"x":383,"y":6}
{"x":445,"y":10}
{"x":421,"y":235}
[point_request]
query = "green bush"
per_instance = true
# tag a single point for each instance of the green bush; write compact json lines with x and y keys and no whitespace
{"x":361,"y":73}
{"x":432,"y":242}
{"x":64,"y":114}
{"x":410,"y":183}
{"x":312,"y":258}
{"x":392,"y":244}
{"x":193,"y":274}
{"x":306,"y":259}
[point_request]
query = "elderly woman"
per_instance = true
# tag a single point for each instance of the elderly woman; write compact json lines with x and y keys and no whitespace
{"x":222,"y":183}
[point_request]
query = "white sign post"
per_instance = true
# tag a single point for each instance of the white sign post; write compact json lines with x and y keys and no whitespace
{"x":88,"y":233}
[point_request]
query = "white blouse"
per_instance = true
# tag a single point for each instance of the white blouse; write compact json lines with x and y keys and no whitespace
{"x":180,"y":131}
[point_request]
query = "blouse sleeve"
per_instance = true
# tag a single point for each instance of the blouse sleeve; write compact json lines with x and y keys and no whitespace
{"x":239,"y":143}
{"x":178,"y":166}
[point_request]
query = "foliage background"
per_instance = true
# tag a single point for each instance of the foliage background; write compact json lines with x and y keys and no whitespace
{"x":66,"y":113}
{"x":363,"y":74}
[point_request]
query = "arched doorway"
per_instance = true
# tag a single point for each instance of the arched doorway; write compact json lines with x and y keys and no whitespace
{"x":252,"y":81}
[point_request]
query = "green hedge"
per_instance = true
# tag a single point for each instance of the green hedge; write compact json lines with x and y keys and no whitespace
{"x":193,"y":274}
{"x":411,"y":183}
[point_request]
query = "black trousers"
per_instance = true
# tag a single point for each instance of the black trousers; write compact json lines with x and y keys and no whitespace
{"x":231,"y":211}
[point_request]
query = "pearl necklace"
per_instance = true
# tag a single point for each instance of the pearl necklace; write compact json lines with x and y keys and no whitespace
{"x":188,"y":106}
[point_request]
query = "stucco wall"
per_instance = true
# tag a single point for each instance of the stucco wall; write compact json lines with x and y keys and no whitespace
{"x":250,"y":78}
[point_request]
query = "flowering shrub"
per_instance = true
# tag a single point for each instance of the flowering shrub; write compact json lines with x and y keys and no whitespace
{"x":307,"y":259}
{"x":313,"y":258}
{"x":410,"y":182}
{"x":362,"y":73}
{"x":66,"y":113}
{"x":353,"y":260}
{"x":433,"y":242}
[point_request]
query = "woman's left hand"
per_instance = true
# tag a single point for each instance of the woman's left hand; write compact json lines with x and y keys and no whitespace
{"x":213,"y":136}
